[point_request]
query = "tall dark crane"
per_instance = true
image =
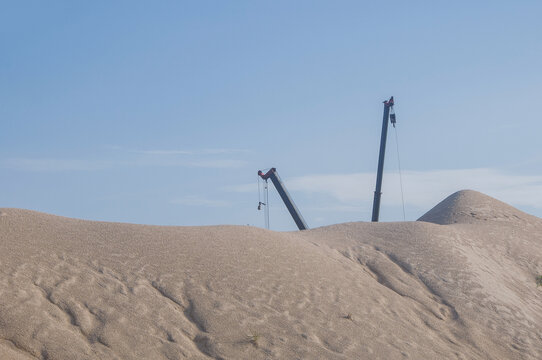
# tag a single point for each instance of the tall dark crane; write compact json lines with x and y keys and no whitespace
{"x":279,"y":185}
{"x":388,"y":107}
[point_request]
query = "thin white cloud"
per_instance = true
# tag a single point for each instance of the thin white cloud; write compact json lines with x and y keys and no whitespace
{"x":164,"y":152}
{"x":217,"y":164}
{"x":422,"y":189}
{"x":336,"y":208}
{"x":194,"y":200}
{"x":190,"y":152}
{"x":60,"y":164}
{"x":53,"y":165}
{"x":224,"y":151}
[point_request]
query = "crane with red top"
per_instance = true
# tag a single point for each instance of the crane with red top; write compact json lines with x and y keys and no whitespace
{"x":290,"y":205}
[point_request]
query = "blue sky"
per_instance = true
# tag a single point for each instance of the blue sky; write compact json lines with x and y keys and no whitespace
{"x":163,"y":112}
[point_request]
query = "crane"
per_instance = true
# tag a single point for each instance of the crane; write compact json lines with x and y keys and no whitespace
{"x":389,"y":114}
{"x":290,"y":205}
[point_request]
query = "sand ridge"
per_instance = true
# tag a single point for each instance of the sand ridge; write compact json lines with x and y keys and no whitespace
{"x":94,"y":290}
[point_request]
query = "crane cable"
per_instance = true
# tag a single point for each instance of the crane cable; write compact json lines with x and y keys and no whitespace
{"x":266,"y":197}
{"x":259,"y":194}
{"x":400,"y":175}
{"x":265,"y":201}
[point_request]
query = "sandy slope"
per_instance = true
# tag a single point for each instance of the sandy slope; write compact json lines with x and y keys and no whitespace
{"x":73,"y":289}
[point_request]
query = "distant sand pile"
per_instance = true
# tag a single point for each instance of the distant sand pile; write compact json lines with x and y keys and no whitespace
{"x":73,"y":289}
{"x":468,"y":207}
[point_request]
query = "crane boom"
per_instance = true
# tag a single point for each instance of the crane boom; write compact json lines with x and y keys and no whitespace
{"x":378,"y":192}
{"x":290,"y":205}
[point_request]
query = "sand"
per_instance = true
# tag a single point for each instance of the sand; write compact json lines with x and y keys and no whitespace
{"x":457,"y":284}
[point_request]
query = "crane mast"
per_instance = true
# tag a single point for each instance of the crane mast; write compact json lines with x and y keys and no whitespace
{"x":388,"y":105}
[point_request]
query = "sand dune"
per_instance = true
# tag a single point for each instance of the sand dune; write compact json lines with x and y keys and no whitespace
{"x":458,"y":284}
